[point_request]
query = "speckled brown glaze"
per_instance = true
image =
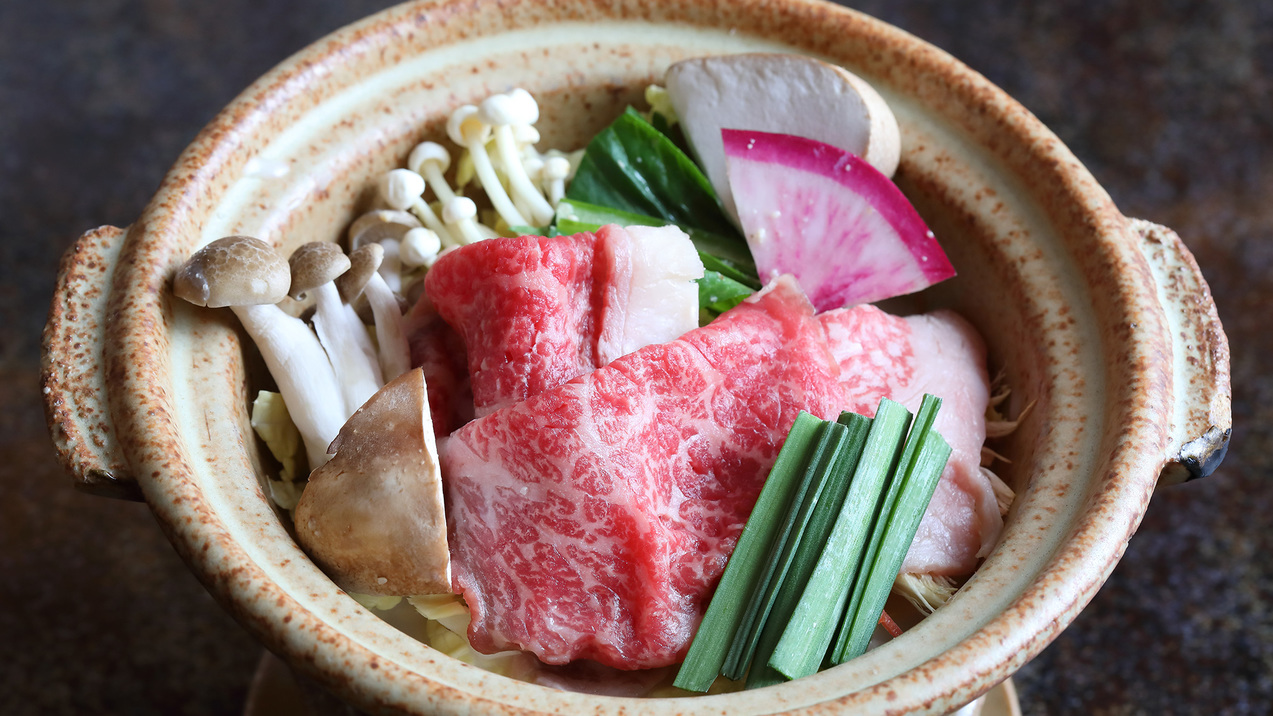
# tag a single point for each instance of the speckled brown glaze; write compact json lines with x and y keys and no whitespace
{"x":72,"y":374}
{"x":1107,"y":328}
{"x":1202,"y":427}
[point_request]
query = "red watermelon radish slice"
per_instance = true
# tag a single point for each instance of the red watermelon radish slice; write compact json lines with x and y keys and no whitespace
{"x":843,"y":229}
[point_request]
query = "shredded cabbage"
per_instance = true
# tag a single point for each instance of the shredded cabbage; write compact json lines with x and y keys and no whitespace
{"x":273,"y":423}
{"x":286,"y":494}
{"x":446,"y":609}
{"x":447,"y":631}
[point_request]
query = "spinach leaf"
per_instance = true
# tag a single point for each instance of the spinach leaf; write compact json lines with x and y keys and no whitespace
{"x":633,"y":167}
{"x":718,"y":293}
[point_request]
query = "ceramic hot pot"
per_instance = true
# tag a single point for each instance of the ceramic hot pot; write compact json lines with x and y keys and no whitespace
{"x":1104,"y":323}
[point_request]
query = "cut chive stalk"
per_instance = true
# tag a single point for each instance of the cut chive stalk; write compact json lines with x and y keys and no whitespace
{"x":837,"y":476}
{"x":716,"y":632}
{"x":783,"y":551}
{"x":918,"y":470}
{"x":888,"y":499}
{"x":804,"y":642}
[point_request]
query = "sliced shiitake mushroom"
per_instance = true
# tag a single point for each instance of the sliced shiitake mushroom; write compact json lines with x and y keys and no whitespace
{"x":373,"y":516}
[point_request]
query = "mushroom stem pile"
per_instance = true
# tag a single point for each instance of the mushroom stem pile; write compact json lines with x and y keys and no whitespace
{"x":324,"y":375}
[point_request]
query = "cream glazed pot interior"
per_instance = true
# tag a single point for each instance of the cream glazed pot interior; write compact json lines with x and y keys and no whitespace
{"x":1104,"y":323}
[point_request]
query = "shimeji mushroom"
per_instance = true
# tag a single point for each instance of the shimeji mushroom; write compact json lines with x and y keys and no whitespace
{"x":387,"y":228}
{"x":250,"y":277}
{"x":376,"y":226}
{"x":420,"y":247}
{"x":462,"y":211}
{"x":364,"y":278}
{"x":525,"y":137}
{"x":556,"y":171}
{"x":466,"y":128}
{"x":391,"y":265}
{"x":315,"y":267}
{"x":503,"y":112}
{"x":373,"y":517}
{"x":403,"y":190}
{"x":430,"y":160}
{"x":400,"y":188}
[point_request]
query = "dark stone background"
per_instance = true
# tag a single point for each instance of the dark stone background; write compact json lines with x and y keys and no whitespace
{"x":1169,"y":103}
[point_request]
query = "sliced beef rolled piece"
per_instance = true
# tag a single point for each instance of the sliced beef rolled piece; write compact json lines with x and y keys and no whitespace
{"x":592,"y":520}
{"x":881,"y":355}
{"x":436,"y":348}
{"x":535,"y":312}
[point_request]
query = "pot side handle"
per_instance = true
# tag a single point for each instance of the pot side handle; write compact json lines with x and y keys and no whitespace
{"x":1203,"y":418}
{"x":73,"y":371}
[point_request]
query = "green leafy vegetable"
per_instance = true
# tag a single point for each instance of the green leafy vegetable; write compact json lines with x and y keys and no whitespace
{"x":534,"y":230}
{"x":838,"y":475}
{"x":784,"y":548}
{"x":634,"y":167}
{"x":718,"y":293}
{"x":909,"y":492}
{"x":707,"y":652}
{"x":741,"y":273}
{"x":805,"y":640}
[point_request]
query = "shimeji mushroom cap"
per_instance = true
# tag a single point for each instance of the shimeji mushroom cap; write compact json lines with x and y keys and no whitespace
{"x":459,"y":208}
{"x":466,"y":128}
{"x":363,"y":262}
{"x":501,"y":109}
{"x":400,"y":188}
{"x":528,"y":108}
{"x":381,"y":224}
{"x":428,"y":152}
{"x":314,"y":264}
{"x":233,"y":271}
{"x":556,"y":168}
{"x":419,"y":247}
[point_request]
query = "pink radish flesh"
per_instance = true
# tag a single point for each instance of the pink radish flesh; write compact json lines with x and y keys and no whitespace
{"x":843,"y":229}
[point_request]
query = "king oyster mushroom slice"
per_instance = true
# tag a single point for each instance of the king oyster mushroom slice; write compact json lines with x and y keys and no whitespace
{"x":784,"y":93}
{"x":373,"y":517}
{"x":362,"y":278}
{"x":315,"y":267}
{"x":250,"y":277}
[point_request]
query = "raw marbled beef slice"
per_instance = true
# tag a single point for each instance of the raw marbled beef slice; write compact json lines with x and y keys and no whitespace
{"x":881,"y":355}
{"x":592,"y":520}
{"x":535,"y":311}
{"x":439,"y":352}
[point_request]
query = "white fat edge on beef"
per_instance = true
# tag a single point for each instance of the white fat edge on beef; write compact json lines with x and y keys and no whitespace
{"x":660,"y":272}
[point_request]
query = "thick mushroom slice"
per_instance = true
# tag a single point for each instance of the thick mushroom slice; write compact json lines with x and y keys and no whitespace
{"x":789,"y":94}
{"x":373,"y":516}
